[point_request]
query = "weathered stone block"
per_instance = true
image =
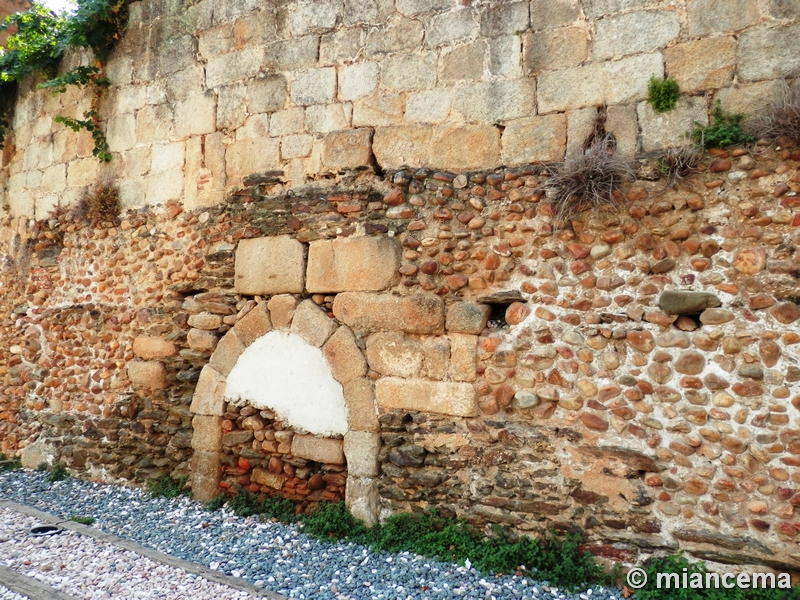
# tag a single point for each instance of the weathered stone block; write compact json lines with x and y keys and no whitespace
{"x":437,"y":357}
{"x":292,"y":54}
{"x":664,"y":130}
{"x":408,"y":72}
{"x":547,"y":14}
{"x":429,"y":106}
{"x":208,"y":398}
{"x":535,"y":139}
{"x":362,"y":412}
{"x":768,"y":53}
{"x":281,"y":310}
{"x":352,"y":264}
{"x":357,"y":81}
{"x":396,"y":146}
{"x":204,"y":320}
{"x":264,"y":477}
{"x":505,"y":56}
{"x":343,"y":45}
{"x":268,"y":266}
{"x":463,"y":63}
{"x":705,"y":64}
{"x":504,"y":19}
{"x":612,"y":82}
{"x":266,"y":95}
{"x":550,"y":50}
{"x":361,"y":450}
{"x":362,"y":499}
{"x":621,"y":122}
{"x":465,"y":147}
{"x":207,"y":433}
{"x":711,"y":16}
{"x":296,"y":146}
{"x":312,"y":324}
{"x":344,"y":357}
{"x":452,"y":26}
{"x":581,"y":124}
{"x":601,"y":8}
{"x":254,"y":324}
{"x":37,"y":453}
{"x":347,"y":149}
{"x":205,"y":475}
{"x":488,"y":102}
{"x":418,"y":313}
{"x":246,"y":157}
{"x":622,"y":35}
{"x":463,"y":357}
{"x":196,"y":115}
{"x":457,"y":399}
{"x":392,"y":353}
{"x":314,"y":86}
{"x":400,"y":35}
{"x":467,"y":317}
{"x":227,"y":68}
{"x":201,"y":340}
{"x":325,"y":118}
{"x":147,"y":374}
{"x":309,"y":16}
{"x":323,"y":450}
{"x":227,"y":353}
{"x":151,"y":347}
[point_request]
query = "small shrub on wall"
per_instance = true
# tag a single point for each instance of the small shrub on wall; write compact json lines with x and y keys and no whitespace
{"x":663,"y":94}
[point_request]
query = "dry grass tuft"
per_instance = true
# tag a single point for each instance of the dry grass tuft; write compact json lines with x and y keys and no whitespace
{"x":100,"y":205}
{"x":781,"y":118}
{"x":678,"y":163}
{"x":589,"y":180}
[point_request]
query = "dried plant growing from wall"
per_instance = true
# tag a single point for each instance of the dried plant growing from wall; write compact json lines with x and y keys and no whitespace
{"x":589,"y":180}
{"x":100,"y":205}
{"x":781,"y":118}
{"x":678,"y":163}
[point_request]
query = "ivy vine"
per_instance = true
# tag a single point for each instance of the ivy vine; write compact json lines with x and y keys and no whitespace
{"x":37,"y":46}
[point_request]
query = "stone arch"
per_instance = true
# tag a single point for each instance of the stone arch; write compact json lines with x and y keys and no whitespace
{"x":267,"y":328}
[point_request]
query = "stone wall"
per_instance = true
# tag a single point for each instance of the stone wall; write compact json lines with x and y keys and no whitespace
{"x":494,"y":363}
{"x":206,"y":94}
{"x":511,"y":369}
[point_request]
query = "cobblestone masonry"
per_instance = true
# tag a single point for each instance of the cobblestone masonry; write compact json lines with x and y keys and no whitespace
{"x":633,"y":376}
{"x":208,"y":93}
{"x":518,"y":372}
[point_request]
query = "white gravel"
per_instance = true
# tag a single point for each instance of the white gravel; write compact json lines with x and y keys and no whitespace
{"x":87,"y":568}
{"x":7,"y":594}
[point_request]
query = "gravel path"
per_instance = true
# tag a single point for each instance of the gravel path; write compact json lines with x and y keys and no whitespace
{"x":86,"y":568}
{"x":274,"y":556}
{"x":7,"y":594}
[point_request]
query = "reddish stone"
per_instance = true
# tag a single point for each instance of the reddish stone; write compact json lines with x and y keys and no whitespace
{"x":516,"y":313}
{"x":750,"y":260}
{"x":504,"y":394}
{"x":786,"y":312}
{"x":592,"y":421}
{"x":761,"y":301}
{"x":456,"y":282}
{"x":394,"y":198}
{"x":720,"y":165}
{"x":690,"y":363}
{"x":545,"y":410}
{"x":770,"y":352}
{"x":578,"y":251}
{"x":316,"y":482}
{"x":748,"y":389}
{"x":490,"y":406}
{"x":408,"y":270}
{"x":275,"y":465}
{"x":786,"y":528}
{"x":430,"y":267}
{"x":244,"y":464}
{"x":642,"y":341}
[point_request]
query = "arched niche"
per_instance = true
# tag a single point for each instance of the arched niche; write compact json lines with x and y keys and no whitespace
{"x":308,"y":369}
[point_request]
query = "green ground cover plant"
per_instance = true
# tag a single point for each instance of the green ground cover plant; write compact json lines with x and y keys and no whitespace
{"x":677,"y":563}
{"x":39,"y":43}
{"x":724,"y":130}
{"x":556,"y":558}
{"x":663,"y":94}
{"x":166,"y":487}
{"x":82,"y":520}
{"x":57,"y":473}
{"x":9,"y":464}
